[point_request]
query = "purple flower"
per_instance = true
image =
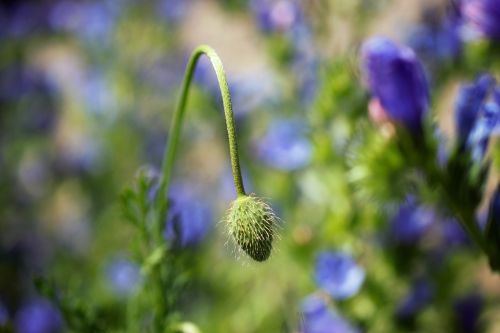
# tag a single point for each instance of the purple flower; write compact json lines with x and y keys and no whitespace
{"x":338,"y":274}
{"x":411,"y":222}
{"x":486,"y":125}
{"x":38,"y":316}
{"x":189,"y":218}
{"x":483,"y":16}
{"x":123,"y":276}
{"x":92,"y":22}
{"x":468,"y":104}
{"x":467,"y":311}
{"x":318,"y":318}
{"x":419,"y":296}
{"x":172,"y":11}
{"x":492,"y":229}
{"x":32,"y":93}
{"x":453,"y":234}
{"x":285,"y":145}
{"x":437,"y":38}
{"x":271,"y":15}
{"x":226,"y":184}
{"x":396,"y":78}
{"x":4,"y":315}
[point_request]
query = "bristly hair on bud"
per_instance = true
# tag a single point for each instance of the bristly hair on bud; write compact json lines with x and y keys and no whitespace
{"x":252,"y":224}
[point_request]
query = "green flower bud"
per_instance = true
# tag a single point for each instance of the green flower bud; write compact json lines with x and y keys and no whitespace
{"x":252,"y":224}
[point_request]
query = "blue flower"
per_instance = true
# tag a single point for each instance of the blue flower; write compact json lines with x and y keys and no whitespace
{"x":483,"y":16}
{"x":318,"y":318}
{"x":468,"y":104}
{"x":411,"y":222}
{"x":123,"y":276}
{"x":189,"y":218}
{"x":467,"y":311}
{"x":38,"y":316}
{"x":338,"y":274}
{"x":419,"y":296}
{"x":396,"y":77}
{"x":285,"y":145}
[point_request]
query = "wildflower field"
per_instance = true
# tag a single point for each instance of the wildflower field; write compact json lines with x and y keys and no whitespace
{"x":250,"y":166}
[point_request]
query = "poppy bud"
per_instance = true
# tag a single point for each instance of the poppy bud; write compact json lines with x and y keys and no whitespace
{"x":252,"y":224}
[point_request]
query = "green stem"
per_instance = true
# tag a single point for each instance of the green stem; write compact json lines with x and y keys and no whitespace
{"x":471,"y":227}
{"x":159,"y":275}
{"x":176,"y":125}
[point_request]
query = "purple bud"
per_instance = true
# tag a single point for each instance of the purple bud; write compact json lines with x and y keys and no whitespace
{"x":483,"y":16}
{"x":486,"y":125}
{"x":468,"y":104}
{"x":338,"y":274}
{"x":396,"y":78}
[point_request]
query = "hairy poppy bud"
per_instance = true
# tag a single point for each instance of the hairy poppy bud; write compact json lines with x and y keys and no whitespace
{"x":252,"y":223}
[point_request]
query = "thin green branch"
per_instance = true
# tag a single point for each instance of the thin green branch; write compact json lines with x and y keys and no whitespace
{"x":176,"y":125}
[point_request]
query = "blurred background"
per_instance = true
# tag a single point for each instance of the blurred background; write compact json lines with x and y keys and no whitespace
{"x":87,"y":92}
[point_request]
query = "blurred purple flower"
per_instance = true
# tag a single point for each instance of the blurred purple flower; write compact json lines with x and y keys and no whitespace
{"x":228,"y":190}
{"x":285,"y":145}
{"x":32,"y":92}
{"x":411,"y":222}
{"x":92,"y":22}
{"x":189,"y":218}
{"x":275,"y":15}
{"x":468,"y":104}
{"x":98,"y":95}
{"x":123,"y":276}
{"x":318,"y":318}
{"x":252,"y":91}
{"x":338,"y":274}
{"x":172,"y":11}
{"x":4,"y":315}
{"x":80,"y":154}
{"x":396,"y":78}
{"x":419,"y":296}
{"x":38,"y":316}
{"x":19,"y":19}
{"x":437,"y":39}
{"x":483,"y":16}
{"x":205,"y":77}
{"x":453,"y":234}
{"x":492,"y":230}
{"x":487,"y":124}
{"x":467,"y":313}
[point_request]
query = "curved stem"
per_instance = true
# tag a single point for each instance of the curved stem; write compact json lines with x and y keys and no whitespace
{"x":176,"y":125}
